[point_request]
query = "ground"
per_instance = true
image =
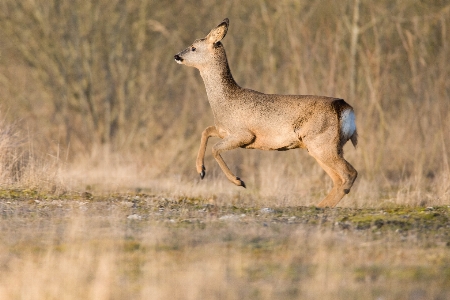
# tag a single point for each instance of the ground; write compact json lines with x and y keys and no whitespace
{"x":150,"y":246}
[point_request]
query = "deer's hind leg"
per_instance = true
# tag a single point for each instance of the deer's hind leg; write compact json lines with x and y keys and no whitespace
{"x":228,"y":143}
{"x":341,"y":172}
{"x":210,"y":131}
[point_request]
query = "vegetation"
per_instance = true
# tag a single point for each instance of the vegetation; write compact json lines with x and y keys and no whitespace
{"x":99,"y":129}
{"x":95,"y":83}
{"x":140,"y":246}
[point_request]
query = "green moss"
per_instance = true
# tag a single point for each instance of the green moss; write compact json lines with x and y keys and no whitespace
{"x":402,"y":218}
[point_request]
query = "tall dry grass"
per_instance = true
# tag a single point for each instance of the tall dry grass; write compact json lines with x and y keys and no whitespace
{"x":96,"y":85}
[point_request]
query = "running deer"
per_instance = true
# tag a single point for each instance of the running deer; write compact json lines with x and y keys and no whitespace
{"x":253,"y":120}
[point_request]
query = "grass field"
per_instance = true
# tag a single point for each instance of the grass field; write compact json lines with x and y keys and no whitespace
{"x":99,"y":130}
{"x":143,"y":246}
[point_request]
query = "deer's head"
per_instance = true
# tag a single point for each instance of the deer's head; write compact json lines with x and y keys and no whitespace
{"x":204,"y":51}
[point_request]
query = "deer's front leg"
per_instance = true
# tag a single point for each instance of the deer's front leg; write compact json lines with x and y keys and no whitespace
{"x":228,"y":143}
{"x":210,"y":131}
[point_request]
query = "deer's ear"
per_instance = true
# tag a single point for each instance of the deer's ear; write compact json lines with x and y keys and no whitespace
{"x":218,"y":33}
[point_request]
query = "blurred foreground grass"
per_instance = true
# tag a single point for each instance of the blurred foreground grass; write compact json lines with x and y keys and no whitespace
{"x":143,"y":246}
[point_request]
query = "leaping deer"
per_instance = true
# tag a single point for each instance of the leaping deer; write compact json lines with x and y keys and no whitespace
{"x":253,"y":120}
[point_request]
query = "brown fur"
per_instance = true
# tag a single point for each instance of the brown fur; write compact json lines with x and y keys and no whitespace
{"x":253,"y":120}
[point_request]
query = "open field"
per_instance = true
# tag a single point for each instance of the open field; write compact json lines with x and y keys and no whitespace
{"x":143,"y":246}
{"x":99,"y":130}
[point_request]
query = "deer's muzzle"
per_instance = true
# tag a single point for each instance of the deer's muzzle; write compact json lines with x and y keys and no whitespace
{"x":178,"y":59}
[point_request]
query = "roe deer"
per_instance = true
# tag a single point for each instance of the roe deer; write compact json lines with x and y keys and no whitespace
{"x":253,"y":120}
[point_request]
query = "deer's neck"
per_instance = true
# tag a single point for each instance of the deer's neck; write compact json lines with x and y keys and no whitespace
{"x":219,"y":83}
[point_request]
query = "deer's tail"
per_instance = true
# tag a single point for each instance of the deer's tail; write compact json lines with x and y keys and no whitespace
{"x":346,"y":117}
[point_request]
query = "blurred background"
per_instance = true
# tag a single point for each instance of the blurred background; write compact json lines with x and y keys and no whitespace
{"x":90,"y":96}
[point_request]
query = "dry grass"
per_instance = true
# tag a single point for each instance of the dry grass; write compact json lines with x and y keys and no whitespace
{"x":112,"y":109}
{"x":154,"y":247}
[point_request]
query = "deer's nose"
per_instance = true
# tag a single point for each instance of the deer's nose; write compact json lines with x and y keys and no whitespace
{"x":178,"y":58}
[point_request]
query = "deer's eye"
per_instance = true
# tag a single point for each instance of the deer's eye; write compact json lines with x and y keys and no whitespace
{"x":193,"y":48}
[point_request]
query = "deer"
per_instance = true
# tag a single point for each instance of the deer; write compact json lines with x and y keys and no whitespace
{"x":244,"y":118}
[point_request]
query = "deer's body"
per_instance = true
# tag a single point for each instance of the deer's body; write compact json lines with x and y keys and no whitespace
{"x":253,"y":120}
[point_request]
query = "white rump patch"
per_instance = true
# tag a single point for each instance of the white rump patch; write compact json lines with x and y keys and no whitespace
{"x":348,"y":125}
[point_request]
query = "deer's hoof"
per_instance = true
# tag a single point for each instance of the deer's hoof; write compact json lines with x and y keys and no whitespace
{"x":202,"y":173}
{"x":241,"y":182}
